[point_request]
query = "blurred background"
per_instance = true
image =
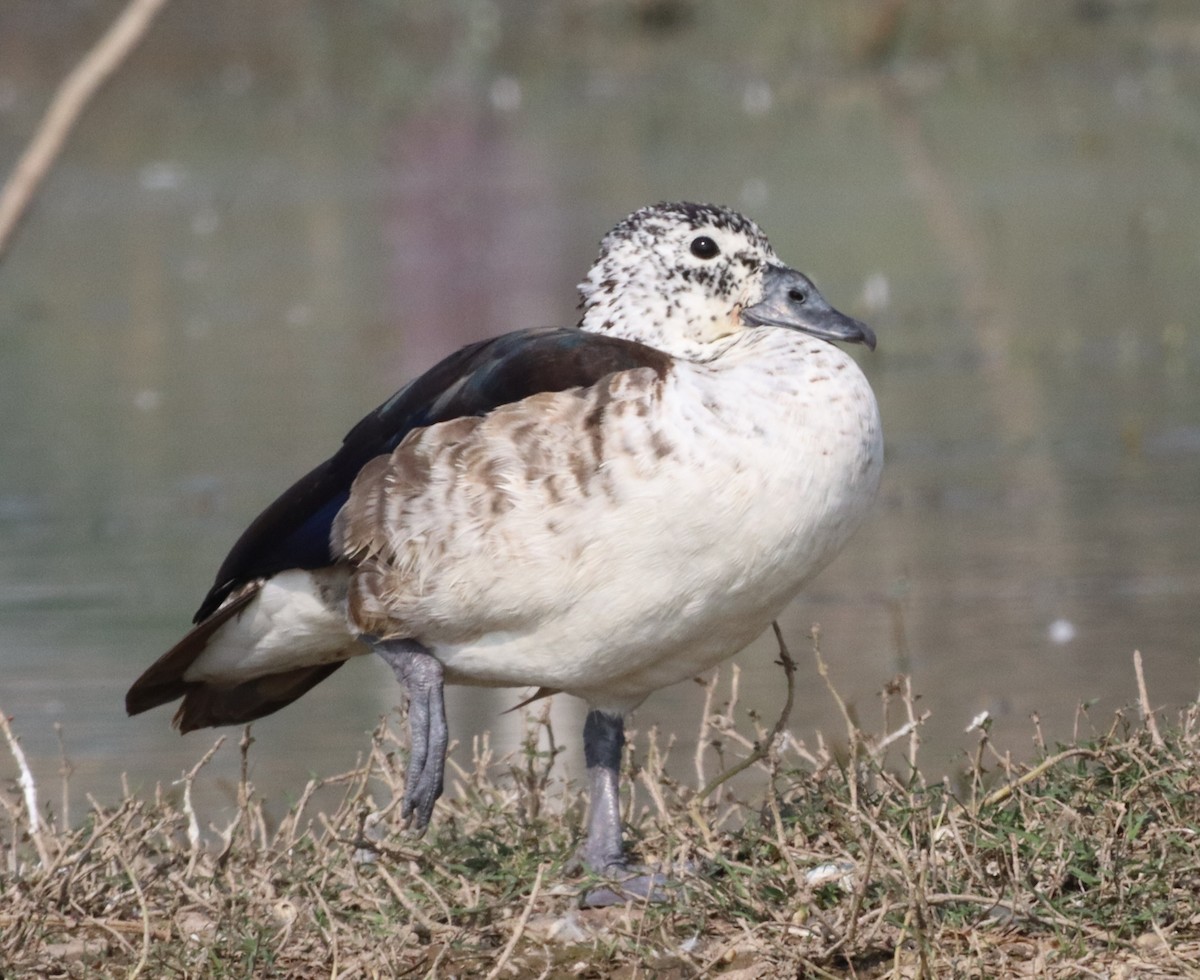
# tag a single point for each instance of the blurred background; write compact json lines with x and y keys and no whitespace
{"x":278,"y":212}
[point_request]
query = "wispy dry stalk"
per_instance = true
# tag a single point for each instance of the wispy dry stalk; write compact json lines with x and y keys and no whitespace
{"x":193,"y":823}
{"x":1092,"y":864}
{"x":853,"y":735}
{"x":781,"y":838}
{"x":534,"y":776}
{"x":65,"y":769}
{"x":1144,"y":701}
{"x":519,"y":928}
{"x":1004,"y":792}
{"x":145,"y":916}
{"x":765,"y":745}
{"x":293,"y":820}
{"x":710,"y":689}
{"x":28,"y":790}
{"x":67,"y":105}
{"x":914,"y":738}
{"x":409,"y":904}
{"x":244,"y":791}
{"x":907,"y":730}
{"x":651,"y":775}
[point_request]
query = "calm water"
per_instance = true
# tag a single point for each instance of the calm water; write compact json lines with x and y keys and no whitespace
{"x":279,"y":212}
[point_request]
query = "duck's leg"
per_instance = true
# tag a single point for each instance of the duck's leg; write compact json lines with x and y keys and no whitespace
{"x":603,"y":851}
{"x":603,"y":743}
{"x":420,"y":674}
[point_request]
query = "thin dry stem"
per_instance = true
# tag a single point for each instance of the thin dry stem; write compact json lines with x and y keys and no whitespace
{"x":852,"y":733}
{"x":1004,"y":792}
{"x":1144,"y":701}
{"x":519,"y":929}
{"x":193,"y":823}
{"x":144,"y":958}
{"x":1062,"y":871}
{"x":65,"y":108}
{"x":28,"y":790}
{"x":764,"y":745}
{"x":65,"y":769}
{"x":710,"y":689}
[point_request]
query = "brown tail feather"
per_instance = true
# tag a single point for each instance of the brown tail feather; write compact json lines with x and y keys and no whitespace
{"x":163,"y":682}
{"x":206,"y":706}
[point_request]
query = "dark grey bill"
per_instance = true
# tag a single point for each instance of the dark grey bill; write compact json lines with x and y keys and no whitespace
{"x":791,"y":300}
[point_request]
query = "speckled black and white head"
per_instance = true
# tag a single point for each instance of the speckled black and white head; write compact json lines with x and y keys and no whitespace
{"x":691,"y":279}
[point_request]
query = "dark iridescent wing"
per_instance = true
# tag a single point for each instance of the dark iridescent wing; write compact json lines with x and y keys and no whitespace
{"x":293,"y":532}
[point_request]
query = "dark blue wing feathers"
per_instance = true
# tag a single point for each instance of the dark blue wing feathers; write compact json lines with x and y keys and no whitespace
{"x":293,"y":532}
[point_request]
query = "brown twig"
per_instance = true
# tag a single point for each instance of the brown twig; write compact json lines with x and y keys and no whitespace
{"x":193,"y":824}
{"x":65,"y":769}
{"x":519,"y":929}
{"x":144,"y":910}
{"x":710,"y":689}
{"x":28,"y":789}
{"x":1004,"y":792}
{"x":1144,"y":702}
{"x":763,"y":748}
{"x":65,"y":108}
{"x":852,"y":731}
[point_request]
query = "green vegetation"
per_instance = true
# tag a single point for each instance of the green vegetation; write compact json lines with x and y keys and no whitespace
{"x":1084,"y":862}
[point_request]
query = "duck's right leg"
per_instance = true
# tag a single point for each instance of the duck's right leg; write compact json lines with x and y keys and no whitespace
{"x":420,"y":674}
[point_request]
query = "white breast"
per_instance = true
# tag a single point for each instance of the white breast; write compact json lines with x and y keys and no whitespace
{"x":613,"y":542}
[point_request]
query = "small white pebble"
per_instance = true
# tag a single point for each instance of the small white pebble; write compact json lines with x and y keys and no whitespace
{"x":567,"y":930}
{"x":841,"y":872}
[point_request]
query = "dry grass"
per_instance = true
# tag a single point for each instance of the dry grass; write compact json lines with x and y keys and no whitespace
{"x":1084,"y":863}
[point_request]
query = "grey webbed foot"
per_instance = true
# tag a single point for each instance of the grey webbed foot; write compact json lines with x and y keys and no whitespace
{"x":420,"y":673}
{"x":628,"y":884}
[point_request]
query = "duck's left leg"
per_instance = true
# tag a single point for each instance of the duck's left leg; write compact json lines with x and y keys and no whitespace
{"x":603,"y":852}
{"x":420,"y":673}
{"x":603,"y":744}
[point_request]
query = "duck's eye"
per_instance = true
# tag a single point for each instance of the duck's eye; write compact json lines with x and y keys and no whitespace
{"x":705,"y":248}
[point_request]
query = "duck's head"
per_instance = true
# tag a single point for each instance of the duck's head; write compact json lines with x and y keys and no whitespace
{"x":690,"y":279}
